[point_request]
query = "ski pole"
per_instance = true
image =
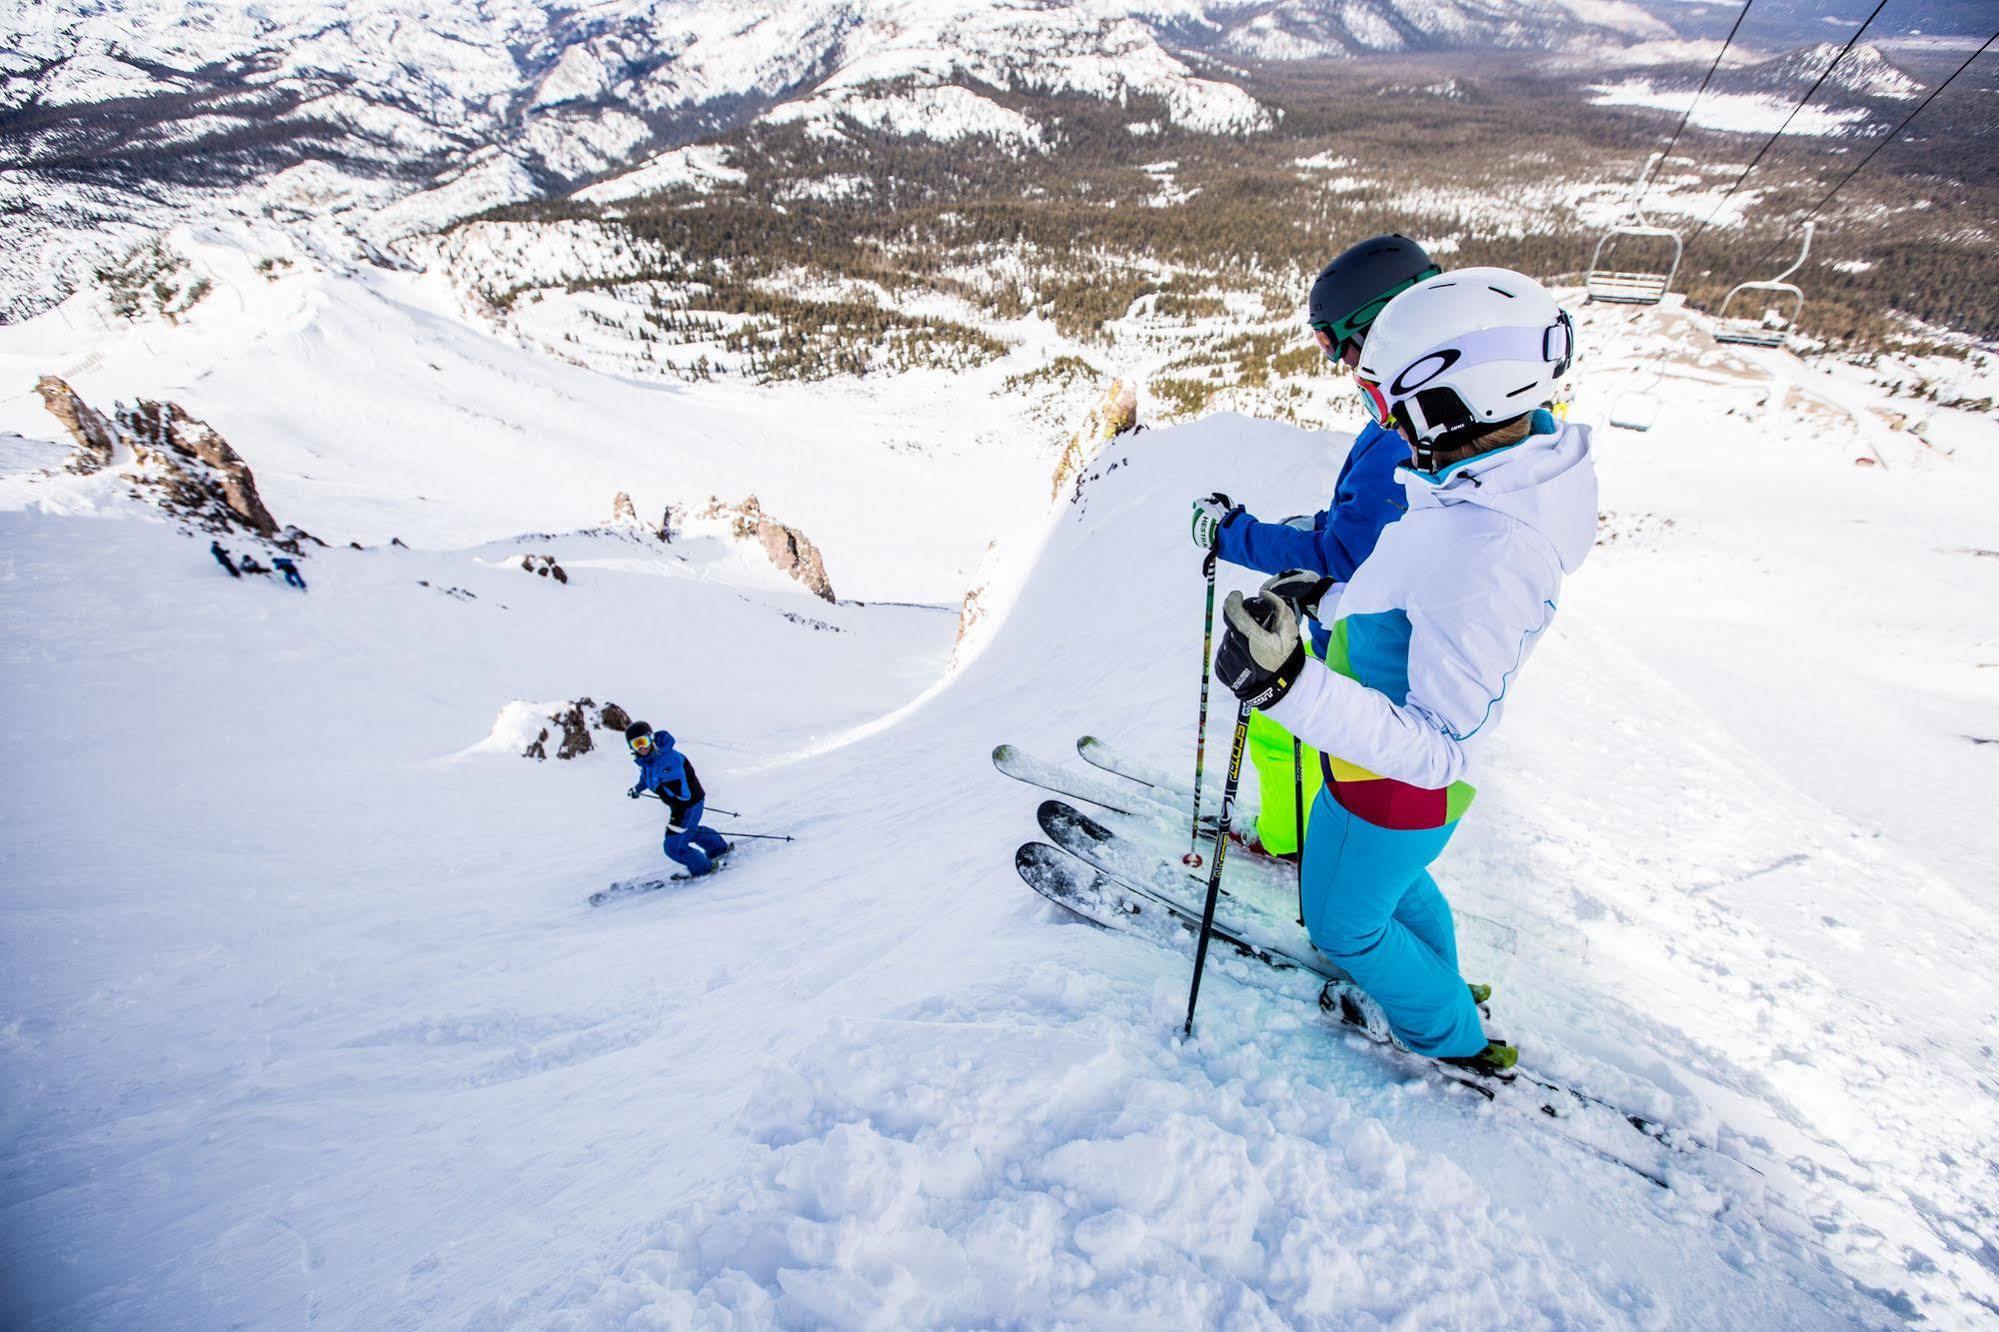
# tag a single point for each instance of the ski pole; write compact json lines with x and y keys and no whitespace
{"x":765,"y":837}
{"x":1193,"y":856}
{"x":706,"y":809}
{"x":1221,"y":854}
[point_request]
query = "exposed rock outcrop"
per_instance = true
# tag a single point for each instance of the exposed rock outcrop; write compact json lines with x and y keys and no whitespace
{"x":202,"y":478}
{"x":788,"y":548}
{"x":544,"y":565}
{"x":194,"y":473}
{"x":529,"y":728}
{"x":622,"y":512}
{"x":1114,"y":413}
{"x":96,"y":439}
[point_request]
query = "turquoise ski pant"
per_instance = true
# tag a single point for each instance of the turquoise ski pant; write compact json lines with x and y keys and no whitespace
{"x":1371,"y":906}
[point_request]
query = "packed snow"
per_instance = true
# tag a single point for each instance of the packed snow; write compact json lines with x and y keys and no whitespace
{"x":305,"y":1019}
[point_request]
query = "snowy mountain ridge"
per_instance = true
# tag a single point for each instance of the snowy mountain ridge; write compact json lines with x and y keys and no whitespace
{"x":115,"y":119}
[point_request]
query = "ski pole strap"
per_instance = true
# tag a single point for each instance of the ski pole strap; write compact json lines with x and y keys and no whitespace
{"x":1221,"y":854}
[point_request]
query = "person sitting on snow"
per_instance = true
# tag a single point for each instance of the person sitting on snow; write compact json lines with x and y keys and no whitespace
{"x":1428,"y":634}
{"x":1346,"y":298}
{"x":668,"y":775}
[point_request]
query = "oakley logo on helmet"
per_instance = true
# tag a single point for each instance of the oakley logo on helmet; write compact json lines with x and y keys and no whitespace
{"x":1424,"y":370}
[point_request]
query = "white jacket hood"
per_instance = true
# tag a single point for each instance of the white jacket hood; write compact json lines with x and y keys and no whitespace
{"x":1546,"y":482}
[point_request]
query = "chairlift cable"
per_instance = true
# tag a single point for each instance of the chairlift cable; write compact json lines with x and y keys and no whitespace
{"x":1771,"y":142}
{"x":1892,"y":135}
{"x":1687,"y":115}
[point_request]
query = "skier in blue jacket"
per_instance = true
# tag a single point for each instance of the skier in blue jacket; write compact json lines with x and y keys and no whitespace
{"x":1349,"y":293}
{"x":668,"y":775}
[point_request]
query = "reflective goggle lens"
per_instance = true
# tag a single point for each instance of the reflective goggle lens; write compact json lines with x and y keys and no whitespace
{"x":641,"y":744}
{"x":1336,"y":348}
{"x":1377,"y":405}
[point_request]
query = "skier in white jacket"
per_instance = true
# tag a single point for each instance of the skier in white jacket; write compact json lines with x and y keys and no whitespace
{"x":1428,"y":634}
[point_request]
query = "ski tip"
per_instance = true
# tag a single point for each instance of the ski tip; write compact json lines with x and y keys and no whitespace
{"x":1058,"y":818}
{"x":1084,"y":743}
{"x":1001,"y":753}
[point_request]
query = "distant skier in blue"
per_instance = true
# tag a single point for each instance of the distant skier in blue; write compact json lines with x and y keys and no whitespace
{"x":290,"y":571}
{"x":665,"y":773}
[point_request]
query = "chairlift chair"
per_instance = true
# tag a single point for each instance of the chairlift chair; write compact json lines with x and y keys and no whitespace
{"x":1638,"y":285}
{"x":1763,"y":331}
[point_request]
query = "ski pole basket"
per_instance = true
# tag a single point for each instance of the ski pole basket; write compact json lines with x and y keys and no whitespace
{"x":1782,"y":305}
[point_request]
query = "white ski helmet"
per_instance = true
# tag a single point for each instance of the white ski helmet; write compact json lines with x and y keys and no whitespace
{"x":1460,"y":353}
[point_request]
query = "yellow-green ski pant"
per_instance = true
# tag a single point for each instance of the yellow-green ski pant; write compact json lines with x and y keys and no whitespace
{"x":1269,"y":748}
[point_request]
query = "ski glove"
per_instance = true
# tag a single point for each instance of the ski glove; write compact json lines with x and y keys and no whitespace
{"x":1210,"y":515}
{"x":1260,"y":655}
{"x":636,"y":792}
{"x":1301,"y":590}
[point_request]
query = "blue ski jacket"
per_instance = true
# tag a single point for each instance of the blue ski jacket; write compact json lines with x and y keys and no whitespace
{"x":666,"y":771}
{"x":1366,"y":498}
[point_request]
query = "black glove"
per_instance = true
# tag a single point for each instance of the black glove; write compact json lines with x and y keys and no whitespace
{"x":636,"y":792}
{"x":1210,"y":516}
{"x":1260,"y":655}
{"x":1300,"y":589}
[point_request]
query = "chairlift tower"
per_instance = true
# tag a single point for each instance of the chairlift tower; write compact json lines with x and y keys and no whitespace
{"x":1637,"y":285}
{"x":1762,"y":331}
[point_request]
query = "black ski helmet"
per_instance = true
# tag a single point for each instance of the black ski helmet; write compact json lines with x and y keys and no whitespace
{"x":637,"y":730}
{"x":1357,"y":286}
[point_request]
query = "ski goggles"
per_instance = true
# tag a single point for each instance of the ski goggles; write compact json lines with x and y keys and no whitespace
{"x":641,"y":744}
{"x":1334,"y":338}
{"x":1378,"y":410}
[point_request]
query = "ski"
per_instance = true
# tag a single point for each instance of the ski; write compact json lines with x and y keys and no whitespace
{"x":1103,"y":900}
{"x":1101,"y":754}
{"x":1147,"y":887}
{"x":653,"y":883}
{"x":1102,"y":847}
{"x":1025,"y":767}
{"x":1493,"y":934}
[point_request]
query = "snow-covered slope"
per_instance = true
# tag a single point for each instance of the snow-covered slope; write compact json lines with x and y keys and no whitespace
{"x":304,"y":1019}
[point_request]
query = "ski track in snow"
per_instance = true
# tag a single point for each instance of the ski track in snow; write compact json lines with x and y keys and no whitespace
{"x":305,"y":1019}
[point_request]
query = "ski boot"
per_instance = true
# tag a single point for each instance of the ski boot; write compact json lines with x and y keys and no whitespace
{"x":1496,"y":1060}
{"x":1349,"y":1004}
{"x":1481,"y":997}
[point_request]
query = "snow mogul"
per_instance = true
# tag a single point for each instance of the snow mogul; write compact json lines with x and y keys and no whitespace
{"x":1426,"y":635}
{"x":666,"y":773}
{"x":1346,"y":298}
